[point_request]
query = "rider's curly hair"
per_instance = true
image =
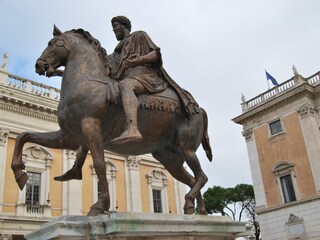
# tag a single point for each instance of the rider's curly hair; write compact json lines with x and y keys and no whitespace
{"x":122,"y":20}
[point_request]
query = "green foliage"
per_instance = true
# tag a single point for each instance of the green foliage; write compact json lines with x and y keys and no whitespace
{"x":228,"y":200}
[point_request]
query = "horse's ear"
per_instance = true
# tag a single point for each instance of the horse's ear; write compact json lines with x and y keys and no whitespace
{"x":56,"y":31}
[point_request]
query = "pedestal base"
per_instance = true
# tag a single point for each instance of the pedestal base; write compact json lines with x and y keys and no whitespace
{"x":140,"y":226}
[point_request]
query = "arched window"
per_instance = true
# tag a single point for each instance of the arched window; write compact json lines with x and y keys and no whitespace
{"x":158,"y":195}
{"x":34,"y":199}
{"x":284,"y":172}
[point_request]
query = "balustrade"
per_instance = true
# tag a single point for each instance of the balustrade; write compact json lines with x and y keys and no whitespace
{"x":33,"y":87}
{"x":278,"y":90}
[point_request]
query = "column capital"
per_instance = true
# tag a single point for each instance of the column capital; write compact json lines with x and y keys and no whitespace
{"x":307,"y":110}
{"x":4,"y":133}
{"x":71,"y":155}
{"x":247,"y":134}
{"x":133,"y":162}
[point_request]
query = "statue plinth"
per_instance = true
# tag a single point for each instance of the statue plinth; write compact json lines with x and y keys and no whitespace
{"x":126,"y":226}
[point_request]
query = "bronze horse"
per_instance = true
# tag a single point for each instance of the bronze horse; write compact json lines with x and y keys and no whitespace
{"x":90,"y":117}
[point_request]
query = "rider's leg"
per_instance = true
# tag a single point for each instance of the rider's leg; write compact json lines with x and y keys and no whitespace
{"x":76,"y":171}
{"x":129,"y":87}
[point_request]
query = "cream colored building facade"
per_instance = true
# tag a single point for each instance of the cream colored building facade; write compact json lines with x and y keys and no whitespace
{"x":136,"y":183}
{"x":281,"y":129}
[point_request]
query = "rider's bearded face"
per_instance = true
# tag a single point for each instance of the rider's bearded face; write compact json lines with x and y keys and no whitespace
{"x":118,"y":30}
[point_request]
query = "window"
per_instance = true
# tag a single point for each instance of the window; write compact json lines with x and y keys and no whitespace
{"x":157,"y":205}
{"x":275,"y":127}
{"x":287,"y":188}
{"x":287,"y":182}
{"x":33,"y":188}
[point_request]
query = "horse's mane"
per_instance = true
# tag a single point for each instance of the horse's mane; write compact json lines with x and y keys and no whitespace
{"x":95,"y":44}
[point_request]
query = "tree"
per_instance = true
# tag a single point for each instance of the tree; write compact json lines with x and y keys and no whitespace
{"x":233,"y":202}
{"x":251,"y":211}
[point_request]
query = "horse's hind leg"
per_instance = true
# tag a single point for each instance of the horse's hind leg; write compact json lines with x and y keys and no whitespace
{"x":91,"y":130}
{"x":200,"y":180}
{"x":50,"y":139}
{"x":173,"y":162}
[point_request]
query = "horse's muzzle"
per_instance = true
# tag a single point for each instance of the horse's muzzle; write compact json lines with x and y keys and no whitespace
{"x":42,"y":68}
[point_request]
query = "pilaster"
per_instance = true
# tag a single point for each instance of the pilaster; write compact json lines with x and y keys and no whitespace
{"x":256,"y":173}
{"x":179,"y":192}
{"x":310,"y":130}
{"x":133,"y":184}
{"x":72,"y":190}
{"x":4,"y":133}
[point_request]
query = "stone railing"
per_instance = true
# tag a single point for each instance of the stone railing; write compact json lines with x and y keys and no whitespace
{"x":29,"y":86}
{"x":35,"y":209}
{"x":279,"y":90}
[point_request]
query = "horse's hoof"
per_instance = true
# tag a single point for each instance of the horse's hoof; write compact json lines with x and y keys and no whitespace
{"x":69,"y":175}
{"x":95,"y":211}
{"x":202,"y":212}
{"x":22,"y":179}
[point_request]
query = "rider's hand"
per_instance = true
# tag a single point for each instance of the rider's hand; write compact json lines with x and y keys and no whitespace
{"x":134,"y":60}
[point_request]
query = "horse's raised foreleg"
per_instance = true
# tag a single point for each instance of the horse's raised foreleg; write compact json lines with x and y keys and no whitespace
{"x":91,"y":129}
{"x":50,"y":139}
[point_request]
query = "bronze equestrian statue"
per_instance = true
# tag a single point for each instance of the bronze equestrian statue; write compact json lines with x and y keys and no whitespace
{"x":163,"y":120}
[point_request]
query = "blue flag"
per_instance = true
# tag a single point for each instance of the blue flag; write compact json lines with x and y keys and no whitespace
{"x":272,"y":79}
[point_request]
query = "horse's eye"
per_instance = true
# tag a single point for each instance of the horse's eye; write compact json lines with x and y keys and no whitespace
{"x":60,"y":43}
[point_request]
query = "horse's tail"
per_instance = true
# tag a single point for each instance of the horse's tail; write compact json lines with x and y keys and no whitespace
{"x":205,"y":137}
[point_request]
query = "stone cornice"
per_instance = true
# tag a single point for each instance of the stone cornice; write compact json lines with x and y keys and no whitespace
{"x":288,"y":205}
{"x":37,"y":113}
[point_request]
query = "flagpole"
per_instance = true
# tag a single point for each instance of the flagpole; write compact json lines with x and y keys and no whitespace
{"x":267,"y":80}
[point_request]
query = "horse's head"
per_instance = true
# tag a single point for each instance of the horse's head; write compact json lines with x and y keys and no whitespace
{"x":54,"y":55}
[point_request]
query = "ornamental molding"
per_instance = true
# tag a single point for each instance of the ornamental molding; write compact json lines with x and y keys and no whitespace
{"x":71,"y":154}
{"x":6,"y":237}
{"x":282,"y":168}
{"x":307,"y":110}
{"x":247,"y":134}
{"x":111,"y":169}
{"x":294,"y":219}
{"x":24,"y":111}
{"x":4,"y":133}
{"x":133,"y":162}
{"x":157,"y":176}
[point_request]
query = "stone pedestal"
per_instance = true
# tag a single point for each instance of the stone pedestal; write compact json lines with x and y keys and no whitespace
{"x":140,"y":226}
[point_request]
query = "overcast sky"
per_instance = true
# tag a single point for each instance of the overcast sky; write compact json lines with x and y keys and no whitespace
{"x":214,"y":49}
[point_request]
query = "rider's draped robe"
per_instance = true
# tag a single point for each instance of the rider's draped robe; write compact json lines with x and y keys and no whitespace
{"x":153,"y":76}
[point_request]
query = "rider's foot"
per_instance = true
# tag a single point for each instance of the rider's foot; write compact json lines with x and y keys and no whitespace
{"x":73,"y":173}
{"x":129,"y":135}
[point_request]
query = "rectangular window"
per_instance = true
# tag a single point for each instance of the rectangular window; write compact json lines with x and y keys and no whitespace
{"x":33,"y":188}
{"x":275,"y":127}
{"x":157,"y":205}
{"x":287,"y":189}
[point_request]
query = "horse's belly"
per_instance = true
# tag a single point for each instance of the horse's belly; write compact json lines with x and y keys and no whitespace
{"x":158,"y":129}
